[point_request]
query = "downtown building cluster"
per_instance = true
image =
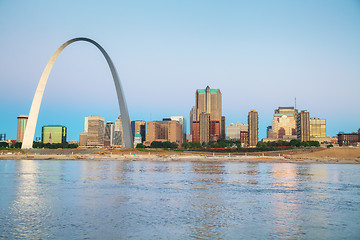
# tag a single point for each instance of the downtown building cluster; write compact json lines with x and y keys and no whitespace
{"x":287,"y":124}
{"x":207,"y":124}
{"x":49,"y":133}
{"x":97,"y":133}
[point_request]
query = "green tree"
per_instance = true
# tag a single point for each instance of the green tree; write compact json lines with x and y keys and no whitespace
{"x":174,"y":145}
{"x":294,"y":143}
{"x":140,"y":145}
{"x":17,"y":145}
{"x":238,"y":144}
{"x":156,"y":144}
{"x":195,"y":145}
{"x":185,"y":145}
{"x":166,"y":144}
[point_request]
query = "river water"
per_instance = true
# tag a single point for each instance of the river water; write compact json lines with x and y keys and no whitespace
{"x":178,"y":200}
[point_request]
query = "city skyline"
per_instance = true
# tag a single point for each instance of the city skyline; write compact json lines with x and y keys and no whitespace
{"x":260,"y":55}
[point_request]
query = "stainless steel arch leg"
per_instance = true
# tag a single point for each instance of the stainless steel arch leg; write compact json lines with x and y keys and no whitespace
{"x":35,"y":106}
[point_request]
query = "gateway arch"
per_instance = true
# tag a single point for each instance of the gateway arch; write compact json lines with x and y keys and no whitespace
{"x":35,"y":106}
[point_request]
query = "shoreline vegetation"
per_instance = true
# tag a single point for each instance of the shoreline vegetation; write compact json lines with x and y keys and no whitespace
{"x":338,"y":155}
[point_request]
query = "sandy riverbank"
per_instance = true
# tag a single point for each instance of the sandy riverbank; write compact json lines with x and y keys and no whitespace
{"x":344,"y":155}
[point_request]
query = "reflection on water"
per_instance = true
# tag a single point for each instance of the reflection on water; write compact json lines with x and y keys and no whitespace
{"x":178,"y":200}
{"x":207,"y":210}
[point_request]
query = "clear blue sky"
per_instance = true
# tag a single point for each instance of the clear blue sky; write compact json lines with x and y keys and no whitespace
{"x":261,"y":54}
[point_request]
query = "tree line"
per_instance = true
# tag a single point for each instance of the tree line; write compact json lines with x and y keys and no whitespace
{"x":221,"y":143}
{"x":292,"y":143}
{"x":234,"y":145}
{"x":158,"y":144}
{"x":40,"y":145}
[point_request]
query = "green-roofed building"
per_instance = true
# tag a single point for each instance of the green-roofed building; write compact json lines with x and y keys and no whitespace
{"x":216,"y":90}
{"x":208,"y":101}
{"x":54,"y":134}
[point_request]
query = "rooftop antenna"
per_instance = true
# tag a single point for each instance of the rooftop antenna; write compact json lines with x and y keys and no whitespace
{"x":295,"y":102}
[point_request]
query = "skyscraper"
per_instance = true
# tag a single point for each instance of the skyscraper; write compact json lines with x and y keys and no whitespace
{"x":21,"y":125}
{"x":192,"y":118}
{"x":303,"y":126}
{"x":204,"y":123}
{"x":253,"y":128}
{"x":284,"y":123}
{"x":207,"y":101}
{"x":53,"y":134}
{"x":96,"y":130}
{"x":222,"y":128}
{"x":317,"y":127}
{"x":118,"y":133}
{"x":195,"y":131}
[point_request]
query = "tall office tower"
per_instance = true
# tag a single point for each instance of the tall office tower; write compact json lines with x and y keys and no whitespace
{"x":96,"y":130}
{"x":207,"y":101}
{"x":215,"y":130}
{"x":109,"y":132}
{"x":233,"y":130}
{"x":204,"y":125}
{"x":205,"y":130}
{"x":118,"y":138}
{"x":192,"y":118}
{"x":253,"y":121}
{"x":21,"y":125}
{"x":284,"y":123}
{"x":222,"y":127}
{"x":53,"y":134}
{"x":138,"y":126}
{"x":164,"y":131}
{"x":182,"y":121}
{"x":118,"y":133}
{"x":303,"y":126}
{"x":317,"y":127}
{"x":195,"y":134}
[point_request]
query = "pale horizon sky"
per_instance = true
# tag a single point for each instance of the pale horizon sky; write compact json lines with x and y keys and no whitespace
{"x":260,"y":54}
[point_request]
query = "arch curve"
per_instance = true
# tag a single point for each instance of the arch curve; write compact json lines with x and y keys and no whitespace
{"x":35,"y":106}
